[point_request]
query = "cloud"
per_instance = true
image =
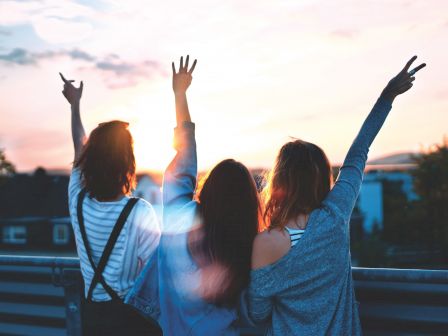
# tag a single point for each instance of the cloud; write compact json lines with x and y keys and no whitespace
{"x":19,"y":56}
{"x":81,"y":55}
{"x":22,"y":56}
{"x":54,"y":21}
{"x":5,"y":32}
{"x":126,"y":74}
{"x":118,"y":73}
{"x":344,"y":33}
{"x":113,"y":63}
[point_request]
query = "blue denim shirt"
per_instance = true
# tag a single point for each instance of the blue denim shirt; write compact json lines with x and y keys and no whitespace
{"x":309,"y":291}
{"x":178,"y":306}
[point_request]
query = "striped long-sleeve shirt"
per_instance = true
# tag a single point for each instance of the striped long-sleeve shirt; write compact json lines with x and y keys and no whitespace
{"x":135,"y":245}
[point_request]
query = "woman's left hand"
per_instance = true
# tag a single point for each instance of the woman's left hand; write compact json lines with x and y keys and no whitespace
{"x":401,"y":82}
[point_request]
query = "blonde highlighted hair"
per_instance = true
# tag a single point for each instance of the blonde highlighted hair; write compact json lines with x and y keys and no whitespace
{"x":299,"y":182}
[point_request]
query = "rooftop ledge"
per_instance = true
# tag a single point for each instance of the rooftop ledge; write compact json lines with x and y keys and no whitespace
{"x":43,"y":296}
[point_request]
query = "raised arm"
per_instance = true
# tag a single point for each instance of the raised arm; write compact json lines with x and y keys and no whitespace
{"x":180,"y":176}
{"x":73,"y":96}
{"x":343,"y":196}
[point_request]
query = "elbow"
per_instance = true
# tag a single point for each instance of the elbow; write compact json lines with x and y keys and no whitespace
{"x":259,"y":318}
{"x":259,"y":313}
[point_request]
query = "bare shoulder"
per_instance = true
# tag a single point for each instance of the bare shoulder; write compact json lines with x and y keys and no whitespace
{"x":269,"y":246}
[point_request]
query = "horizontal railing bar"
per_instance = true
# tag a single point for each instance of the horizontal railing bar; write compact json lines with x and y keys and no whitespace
{"x":52,"y":322}
{"x":35,"y":298}
{"x":400,"y":275}
{"x":359,"y":273}
{"x":31,"y":288}
{"x":20,"y":329}
{"x":15,"y":260}
{"x":28,"y":309}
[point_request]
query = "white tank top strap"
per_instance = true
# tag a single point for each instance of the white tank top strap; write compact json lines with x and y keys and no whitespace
{"x":294,"y":235}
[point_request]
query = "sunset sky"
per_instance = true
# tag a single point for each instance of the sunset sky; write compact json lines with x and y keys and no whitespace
{"x":267,"y":70}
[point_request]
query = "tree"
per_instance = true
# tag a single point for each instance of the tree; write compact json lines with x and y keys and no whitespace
{"x":404,"y":220}
{"x":431,"y":184}
{"x":6,"y":167}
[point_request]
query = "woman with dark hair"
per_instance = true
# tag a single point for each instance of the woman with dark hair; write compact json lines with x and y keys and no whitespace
{"x":301,"y":282}
{"x":206,"y":245}
{"x":115,"y":234}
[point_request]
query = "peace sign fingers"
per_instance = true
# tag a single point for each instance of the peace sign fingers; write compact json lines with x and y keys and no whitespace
{"x":413,"y":71}
{"x":408,"y":64}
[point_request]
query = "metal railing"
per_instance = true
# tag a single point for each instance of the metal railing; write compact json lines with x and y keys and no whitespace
{"x":42,"y":296}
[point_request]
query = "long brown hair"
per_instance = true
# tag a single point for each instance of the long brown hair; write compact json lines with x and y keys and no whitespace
{"x":229,"y":210}
{"x":299,"y":182}
{"x":107,"y":161}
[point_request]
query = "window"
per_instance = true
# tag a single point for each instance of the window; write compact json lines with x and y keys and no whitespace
{"x":14,"y":235}
{"x":61,"y":234}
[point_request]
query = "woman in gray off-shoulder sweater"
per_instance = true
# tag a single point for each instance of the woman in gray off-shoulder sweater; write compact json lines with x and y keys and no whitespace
{"x":301,"y":282}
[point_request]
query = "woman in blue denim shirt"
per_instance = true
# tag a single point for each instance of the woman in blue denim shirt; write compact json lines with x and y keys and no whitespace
{"x":205,"y":250}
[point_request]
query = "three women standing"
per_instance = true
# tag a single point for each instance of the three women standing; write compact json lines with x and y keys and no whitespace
{"x":301,"y":282}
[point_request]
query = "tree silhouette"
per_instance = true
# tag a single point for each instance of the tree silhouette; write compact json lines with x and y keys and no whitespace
{"x":6,"y":167}
{"x":431,"y":184}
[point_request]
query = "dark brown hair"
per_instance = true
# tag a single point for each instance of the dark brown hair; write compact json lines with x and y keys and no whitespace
{"x":301,"y":179}
{"x":107,"y":161}
{"x":229,"y":210}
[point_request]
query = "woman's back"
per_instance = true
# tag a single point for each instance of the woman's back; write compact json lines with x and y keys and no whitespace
{"x":308,"y":290}
{"x":135,"y":244}
{"x":115,"y":235}
{"x":206,"y":244}
{"x":314,"y":274}
{"x":183,"y":310}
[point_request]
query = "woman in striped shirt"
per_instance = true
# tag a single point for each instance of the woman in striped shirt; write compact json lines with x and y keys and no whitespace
{"x":104,"y":172}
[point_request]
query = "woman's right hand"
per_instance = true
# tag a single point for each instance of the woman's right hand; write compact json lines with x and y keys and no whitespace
{"x":71,"y":93}
{"x":182,"y":79}
{"x":401,"y":82}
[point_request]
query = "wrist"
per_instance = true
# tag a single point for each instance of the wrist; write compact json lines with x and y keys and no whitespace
{"x":180,"y":93}
{"x":387,"y":96}
{"x":75,"y":104}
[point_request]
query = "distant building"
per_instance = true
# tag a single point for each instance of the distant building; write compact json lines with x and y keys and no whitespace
{"x":148,"y":189}
{"x":34,"y":195}
{"x":36,"y":234}
{"x":370,"y":200}
{"x":370,"y":203}
{"x":34,"y":213}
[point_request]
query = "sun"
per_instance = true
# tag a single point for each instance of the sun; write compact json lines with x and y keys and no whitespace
{"x":152,"y":126}
{"x":150,"y":111}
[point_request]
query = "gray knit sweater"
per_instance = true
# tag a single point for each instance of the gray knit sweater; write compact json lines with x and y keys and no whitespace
{"x":309,"y":291}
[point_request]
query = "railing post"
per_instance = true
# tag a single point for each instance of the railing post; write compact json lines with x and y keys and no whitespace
{"x":73,"y":286}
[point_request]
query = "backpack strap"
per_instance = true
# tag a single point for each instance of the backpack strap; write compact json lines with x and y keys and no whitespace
{"x":106,"y":287}
{"x":98,"y":271}
{"x":98,"y":276}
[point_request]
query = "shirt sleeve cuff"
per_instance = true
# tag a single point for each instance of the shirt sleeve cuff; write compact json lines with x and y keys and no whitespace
{"x":384,"y":103}
{"x":184,"y":135}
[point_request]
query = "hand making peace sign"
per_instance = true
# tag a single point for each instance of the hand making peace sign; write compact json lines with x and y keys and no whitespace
{"x":401,"y":82}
